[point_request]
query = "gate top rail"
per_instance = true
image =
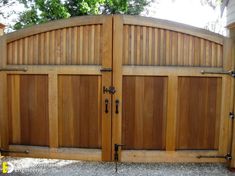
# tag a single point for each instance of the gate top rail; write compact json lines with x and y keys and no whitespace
{"x":127,"y":19}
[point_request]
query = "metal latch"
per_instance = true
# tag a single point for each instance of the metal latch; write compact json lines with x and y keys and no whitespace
{"x":13,"y":151}
{"x":110,"y":90}
{"x":116,"y":159}
{"x":106,"y":69}
{"x":231,"y":72}
{"x":228,"y":157}
{"x":231,"y":115}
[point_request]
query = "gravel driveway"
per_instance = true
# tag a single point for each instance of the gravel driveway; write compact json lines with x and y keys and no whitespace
{"x":51,"y":167}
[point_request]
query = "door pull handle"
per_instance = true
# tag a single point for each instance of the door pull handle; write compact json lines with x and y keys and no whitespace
{"x":117,"y":104}
{"x":106,"y":106}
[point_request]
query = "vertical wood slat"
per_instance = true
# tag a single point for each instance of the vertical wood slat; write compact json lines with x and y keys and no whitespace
{"x":53,"y":110}
{"x":4,"y":132}
{"x":117,"y":82}
{"x":107,"y":49}
{"x":225,"y":109}
{"x":171,"y":113}
{"x":14,"y":110}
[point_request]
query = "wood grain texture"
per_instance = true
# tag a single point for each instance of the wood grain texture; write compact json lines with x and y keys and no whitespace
{"x":28,"y":110}
{"x":69,"y":46}
{"x":79,"y":112}
{"x":199,"y":106}
{"x":144,"y":112}
{"x":154,"y":46}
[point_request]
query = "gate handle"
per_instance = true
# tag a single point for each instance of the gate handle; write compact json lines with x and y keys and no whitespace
{"x":106,"y":105}
{"x":117,"y":103}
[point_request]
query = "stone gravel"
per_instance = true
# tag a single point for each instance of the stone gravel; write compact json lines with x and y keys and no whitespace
{"x":53,"y":167}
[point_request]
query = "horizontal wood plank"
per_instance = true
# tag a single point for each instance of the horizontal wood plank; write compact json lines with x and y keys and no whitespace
{"x":57,"y":153}
{"x":169,"y":156}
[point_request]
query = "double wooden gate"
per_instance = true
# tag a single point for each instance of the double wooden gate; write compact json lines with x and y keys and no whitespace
{"x":74,"y":88}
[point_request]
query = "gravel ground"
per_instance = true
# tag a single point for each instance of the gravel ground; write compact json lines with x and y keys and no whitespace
{"x":51,"y":167}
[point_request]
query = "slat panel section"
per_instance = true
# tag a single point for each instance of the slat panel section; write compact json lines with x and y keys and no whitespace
{"x":28,"y":109}
{"x":199,"y":105}
{"x":79,"y":112}
{"x":154,"y":46}
{"x":79,"y":45}
{"x":144,"y":116}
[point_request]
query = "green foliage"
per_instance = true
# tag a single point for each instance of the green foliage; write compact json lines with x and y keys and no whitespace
{"x":130,"y":7}
{"x":40,"y":11}
{"x":83,"y":7}
{"x":51,"y":10}
{"x":27,"y":18}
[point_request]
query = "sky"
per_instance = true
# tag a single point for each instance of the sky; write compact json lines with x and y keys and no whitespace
{"x":190,"y":12}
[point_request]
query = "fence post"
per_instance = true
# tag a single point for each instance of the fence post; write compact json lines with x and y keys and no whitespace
{"x":232,"y":36}
{"x":3,"y":93}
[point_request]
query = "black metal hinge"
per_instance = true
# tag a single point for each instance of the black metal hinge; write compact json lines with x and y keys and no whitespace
{"x":13,"y":151}
{"x":230,"y":73}
{"x":228,"y":157}
{"x":231,"y":115}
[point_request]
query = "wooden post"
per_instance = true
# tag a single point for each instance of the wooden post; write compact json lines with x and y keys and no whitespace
{"x":107,"y":82}
{"x":3,"y":93}
{"x":117,"y":82}
{"x":232,"y":36}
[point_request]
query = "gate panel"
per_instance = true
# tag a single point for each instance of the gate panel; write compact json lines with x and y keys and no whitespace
{"x":193,"y":119}
{"x":79,"y":111}
{"x":144,"y":115}
{"x":70,"y":54}
{"x":28,"y":109}
{"x":198,"y":113}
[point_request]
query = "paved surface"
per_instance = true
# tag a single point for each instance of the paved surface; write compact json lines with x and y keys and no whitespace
{"x":43,"y":167}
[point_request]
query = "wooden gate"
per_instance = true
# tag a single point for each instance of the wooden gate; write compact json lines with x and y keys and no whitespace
{"x":57,"y":83}
{"x":51,"y":89}
{"x":171,"y":112}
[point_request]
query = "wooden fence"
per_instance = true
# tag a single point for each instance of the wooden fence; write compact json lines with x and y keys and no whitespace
{"x":54,"y":104}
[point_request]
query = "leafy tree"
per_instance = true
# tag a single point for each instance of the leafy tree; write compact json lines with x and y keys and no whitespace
{"x":130,"y":7}
{"x":83,"y":7}
{"x":40,"y":11}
